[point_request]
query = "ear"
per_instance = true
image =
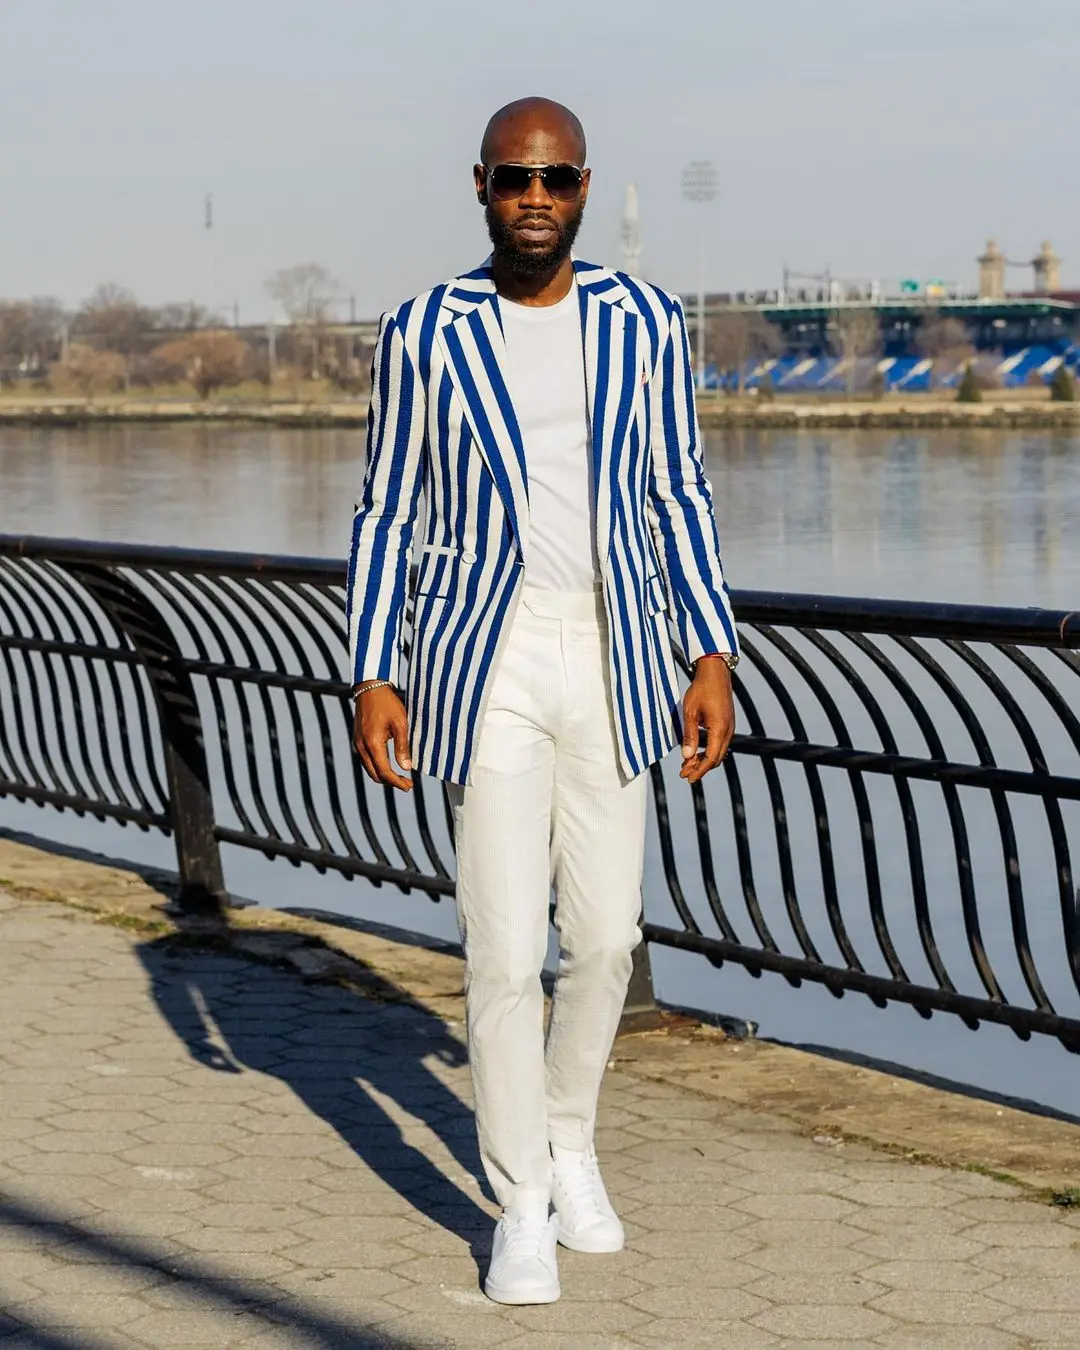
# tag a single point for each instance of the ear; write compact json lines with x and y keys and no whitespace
{"x":480,"y":183}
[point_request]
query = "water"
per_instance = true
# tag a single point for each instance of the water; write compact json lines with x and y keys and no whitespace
{"x":983,"y":516}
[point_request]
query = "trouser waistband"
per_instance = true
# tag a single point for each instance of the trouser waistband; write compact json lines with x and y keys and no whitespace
{"x":564,"y":604}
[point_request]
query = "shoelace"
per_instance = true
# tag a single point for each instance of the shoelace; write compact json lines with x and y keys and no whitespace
{"x":524,"y":1237}
{"x":581,"y":1184}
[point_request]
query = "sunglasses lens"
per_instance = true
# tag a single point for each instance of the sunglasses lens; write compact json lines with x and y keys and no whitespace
{"x":563,"y":181}
{"x":509,"y":181}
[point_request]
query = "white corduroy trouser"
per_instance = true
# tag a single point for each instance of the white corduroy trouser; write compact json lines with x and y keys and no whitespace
{"x":547,"y":803}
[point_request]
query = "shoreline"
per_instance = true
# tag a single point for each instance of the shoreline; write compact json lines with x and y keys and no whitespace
{"x":885,"y":416}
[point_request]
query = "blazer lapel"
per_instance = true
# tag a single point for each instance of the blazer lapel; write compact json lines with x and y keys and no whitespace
{"x":475,"y":351}
{"x":613,"y":370}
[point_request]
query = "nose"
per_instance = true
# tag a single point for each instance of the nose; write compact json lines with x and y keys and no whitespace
{"x":536,"y":194}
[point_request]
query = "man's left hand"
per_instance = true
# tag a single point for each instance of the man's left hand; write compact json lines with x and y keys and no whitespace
{"x":707,"y":703}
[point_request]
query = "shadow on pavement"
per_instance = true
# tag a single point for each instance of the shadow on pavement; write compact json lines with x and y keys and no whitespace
{"x":230,"y":1296}
{"x":338,"y":1051}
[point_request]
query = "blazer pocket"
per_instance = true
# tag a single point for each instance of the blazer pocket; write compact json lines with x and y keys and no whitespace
{"x":435,"y":571}
{"x":655,"y":595}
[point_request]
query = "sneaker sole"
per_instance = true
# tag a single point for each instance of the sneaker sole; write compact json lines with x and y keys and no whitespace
{"x":593,"y":1247}
{"x":520,"y":1297}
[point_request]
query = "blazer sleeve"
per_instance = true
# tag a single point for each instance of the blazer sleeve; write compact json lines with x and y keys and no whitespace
{"x":680,"y":506}
{"x":382,"y":533}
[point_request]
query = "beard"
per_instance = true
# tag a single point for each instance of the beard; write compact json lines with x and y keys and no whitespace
{"x":531,"y":260}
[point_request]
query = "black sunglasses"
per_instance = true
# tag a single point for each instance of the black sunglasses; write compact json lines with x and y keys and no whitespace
{"x":508,"y":182}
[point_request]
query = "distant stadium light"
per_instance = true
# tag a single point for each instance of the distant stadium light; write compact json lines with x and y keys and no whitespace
{"x":700,"y":183}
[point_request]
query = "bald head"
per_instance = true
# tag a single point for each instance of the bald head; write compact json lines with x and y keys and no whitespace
{"x":533,"y":119}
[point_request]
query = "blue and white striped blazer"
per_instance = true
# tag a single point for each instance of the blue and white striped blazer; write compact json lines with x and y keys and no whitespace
{"x":442,"y":423}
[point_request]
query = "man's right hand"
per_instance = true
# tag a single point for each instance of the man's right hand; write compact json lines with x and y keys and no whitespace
{"x":380,"y":717}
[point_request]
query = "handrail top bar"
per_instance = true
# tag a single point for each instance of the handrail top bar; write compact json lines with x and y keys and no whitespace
{"x":285,"y":567}
{"x":917,"y":618}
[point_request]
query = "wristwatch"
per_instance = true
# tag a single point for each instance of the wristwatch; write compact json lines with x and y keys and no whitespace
{"x":730,"y":659}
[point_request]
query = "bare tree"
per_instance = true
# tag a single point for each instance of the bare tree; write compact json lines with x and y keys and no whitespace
{"x":306,"y":293}
{"x":31,"y":334}
{"x":856,"y":335}
{"x":735,"y":337}
{"x":113,"y":319}
{"x":89,"y":370}
{"x":945,"y":342}
{"x":184,"y":316}
{"x":210,"y":360}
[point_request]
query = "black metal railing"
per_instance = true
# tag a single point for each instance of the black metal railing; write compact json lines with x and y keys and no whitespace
{"x":897,"y":816}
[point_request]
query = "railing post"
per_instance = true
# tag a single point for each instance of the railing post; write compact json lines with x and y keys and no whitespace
{"x":640,"y":1011}
{"x":640,"y":995}
{"x":191,"y":806}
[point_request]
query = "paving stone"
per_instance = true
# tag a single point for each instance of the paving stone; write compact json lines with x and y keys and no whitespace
{"x":688,"y":1193}
{"x":821,"y":1287}
{"x":884,"y":1219}
{"x":430,"y":1331}
{"x":69,"y":1279}
{"x":811,"y":1322}
{"x":695,"y":1334}
{"x":977,"y":1184}
{"x":702,"y":1271}
{"x":790,"y":1183}
{"x":712,"y":1304}
{"x":329,"y":1184}
{"x":957,"y":1277}
{"x":793,"y":1208}
{"x":78,"y":1310}
{"x":822,"y":1233}
{"x":955,"y":1338}
{"x":901,"y":1192}
{"x":798,"y":1258}
{"x":1046,"y":1294}
{"x":1062,"y":1328}
{"x":571,"y":1317}
{"x":912,"y":1244}
{"x":1022,"y":1236}
{"x":937,"y":1307}
{"x":1038,"y":1261}
{"x":583,"y":1340}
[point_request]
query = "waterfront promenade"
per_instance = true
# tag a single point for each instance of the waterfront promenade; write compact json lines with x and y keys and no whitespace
{"x":202,"y":1149}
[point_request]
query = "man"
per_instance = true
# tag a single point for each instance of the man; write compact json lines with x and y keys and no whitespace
{"x":544,"y":408}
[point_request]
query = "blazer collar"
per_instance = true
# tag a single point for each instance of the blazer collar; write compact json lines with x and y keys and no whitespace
{"x":464,"y":293}
{"x":474,"y":347}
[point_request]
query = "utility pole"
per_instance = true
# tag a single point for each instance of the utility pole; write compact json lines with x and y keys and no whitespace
{"x":700,"y":184}
{"x":208,"y":226}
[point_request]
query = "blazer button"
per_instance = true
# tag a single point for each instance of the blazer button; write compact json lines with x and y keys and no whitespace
{"x":468,"y":557}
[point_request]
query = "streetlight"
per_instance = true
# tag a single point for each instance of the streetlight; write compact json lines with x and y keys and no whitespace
{"x":699,"y":184}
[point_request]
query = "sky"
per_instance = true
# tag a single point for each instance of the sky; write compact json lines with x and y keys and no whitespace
{"x":880,"y":139}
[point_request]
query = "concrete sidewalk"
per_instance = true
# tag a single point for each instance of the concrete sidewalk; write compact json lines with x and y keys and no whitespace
{"x":203,"y":1151}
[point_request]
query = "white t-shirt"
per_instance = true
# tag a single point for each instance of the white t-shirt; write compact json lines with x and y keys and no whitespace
{"x":545,"y":375}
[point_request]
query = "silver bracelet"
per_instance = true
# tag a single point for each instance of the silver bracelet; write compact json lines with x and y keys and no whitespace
{"x":375,"y":684}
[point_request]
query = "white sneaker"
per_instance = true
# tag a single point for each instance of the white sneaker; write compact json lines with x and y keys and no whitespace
{"x":523,"y":1267}
{"x":587,"y":1221}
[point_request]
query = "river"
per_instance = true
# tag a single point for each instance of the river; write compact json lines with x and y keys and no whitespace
{"x":981,"y":516}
